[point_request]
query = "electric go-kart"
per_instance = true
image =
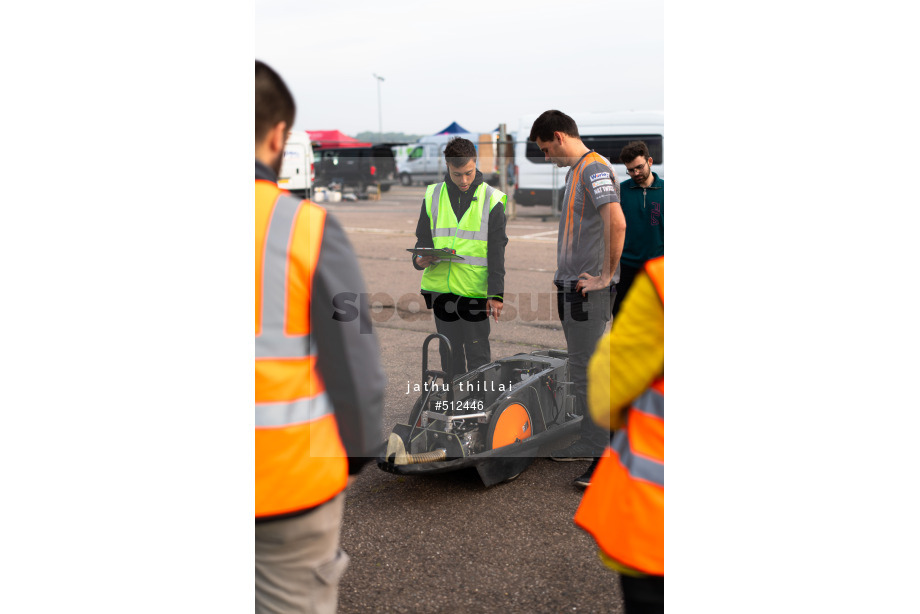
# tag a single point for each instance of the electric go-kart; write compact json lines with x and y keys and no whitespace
{"x":494,"y":418}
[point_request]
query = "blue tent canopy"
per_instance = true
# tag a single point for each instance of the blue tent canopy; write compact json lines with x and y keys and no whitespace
{"x":454,"y":128}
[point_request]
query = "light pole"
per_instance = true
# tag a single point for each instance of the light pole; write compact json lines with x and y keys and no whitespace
{"x":379,"y":112}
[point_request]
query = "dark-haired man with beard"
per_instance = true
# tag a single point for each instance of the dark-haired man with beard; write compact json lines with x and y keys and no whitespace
{"x":642,"y":200}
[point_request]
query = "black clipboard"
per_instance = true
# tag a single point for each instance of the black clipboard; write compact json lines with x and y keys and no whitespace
{"x":443,"y":254}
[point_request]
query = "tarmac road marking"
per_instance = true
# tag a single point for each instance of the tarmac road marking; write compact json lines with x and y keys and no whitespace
{"x":538,"y":235}
{"x":402,"y":259}
{"x":379,"y":231}
{"x":536,"y":238}
{"x":533,"y":239}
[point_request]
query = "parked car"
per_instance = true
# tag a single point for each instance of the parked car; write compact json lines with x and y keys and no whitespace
{"x":356,"y":167}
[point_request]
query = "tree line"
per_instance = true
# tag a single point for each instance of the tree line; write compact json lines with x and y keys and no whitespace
{"x":387,"y":137}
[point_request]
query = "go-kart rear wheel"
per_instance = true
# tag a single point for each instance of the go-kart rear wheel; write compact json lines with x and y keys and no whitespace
{"x":510,"y":424}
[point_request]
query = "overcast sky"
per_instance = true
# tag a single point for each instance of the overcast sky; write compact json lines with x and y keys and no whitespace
{"x":479,"y":63}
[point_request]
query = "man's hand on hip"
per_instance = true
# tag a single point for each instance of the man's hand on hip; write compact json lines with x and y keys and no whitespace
{"x":590,"y":283}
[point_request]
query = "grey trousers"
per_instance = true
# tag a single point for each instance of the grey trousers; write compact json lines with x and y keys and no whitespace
{"x":299,"y":562}
{"x":583,"y":322}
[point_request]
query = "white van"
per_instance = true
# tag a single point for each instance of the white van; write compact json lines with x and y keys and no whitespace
{"x":605,"y":133}
{"x":297,"y":170}
{"x":425,"y":158}
{"x":425,"y":161}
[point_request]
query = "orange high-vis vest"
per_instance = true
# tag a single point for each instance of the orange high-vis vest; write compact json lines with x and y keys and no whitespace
{"x":623,"y":508}
{"x":300,"y":459}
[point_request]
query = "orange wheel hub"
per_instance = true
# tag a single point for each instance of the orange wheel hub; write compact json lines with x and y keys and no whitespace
{"x":513,"y":425}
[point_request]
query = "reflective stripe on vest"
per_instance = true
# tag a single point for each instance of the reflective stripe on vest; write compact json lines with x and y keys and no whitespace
{"x":299,"y":458}
{"x":285,"y":413}
{"x":273,"y":342}
{"x":468,"y":277}
{"x":639,"y":466}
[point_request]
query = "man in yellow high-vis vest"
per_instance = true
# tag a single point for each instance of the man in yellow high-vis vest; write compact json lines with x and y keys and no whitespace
{"x":464,"y":214}
{"x":318,"y":381}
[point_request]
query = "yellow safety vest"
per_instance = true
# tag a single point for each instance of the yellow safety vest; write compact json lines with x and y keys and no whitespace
{"x":469,"y":237}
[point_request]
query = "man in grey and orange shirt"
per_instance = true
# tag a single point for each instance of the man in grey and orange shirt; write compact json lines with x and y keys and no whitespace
{"x":591,"y":233}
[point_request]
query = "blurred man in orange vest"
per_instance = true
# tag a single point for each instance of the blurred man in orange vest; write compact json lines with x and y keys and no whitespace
{"x":319,"y":385}
{"x":623,"y":508}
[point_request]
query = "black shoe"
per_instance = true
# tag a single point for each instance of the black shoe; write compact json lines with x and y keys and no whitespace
{"x":578,"y":451}
{"x":585,"y":478}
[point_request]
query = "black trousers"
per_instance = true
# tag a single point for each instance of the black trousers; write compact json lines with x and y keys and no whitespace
{"x":627,"y":275}
{"x":643,"y":595}
{"x":465,"y":323}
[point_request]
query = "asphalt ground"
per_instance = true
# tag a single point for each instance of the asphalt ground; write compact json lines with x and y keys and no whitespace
{"x":445,"y":543}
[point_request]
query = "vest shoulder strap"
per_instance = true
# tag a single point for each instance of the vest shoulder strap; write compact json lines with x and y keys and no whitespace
{"x":433,"y":201}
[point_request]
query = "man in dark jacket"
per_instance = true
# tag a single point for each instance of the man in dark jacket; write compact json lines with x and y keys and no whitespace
{"x":642,"y":200}
{"x":463,"y":214}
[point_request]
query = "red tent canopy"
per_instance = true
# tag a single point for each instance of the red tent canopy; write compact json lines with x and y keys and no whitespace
{"x":334,"y":138}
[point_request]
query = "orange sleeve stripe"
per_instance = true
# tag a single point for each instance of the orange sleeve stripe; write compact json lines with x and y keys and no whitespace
{"x":575,"y":181}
